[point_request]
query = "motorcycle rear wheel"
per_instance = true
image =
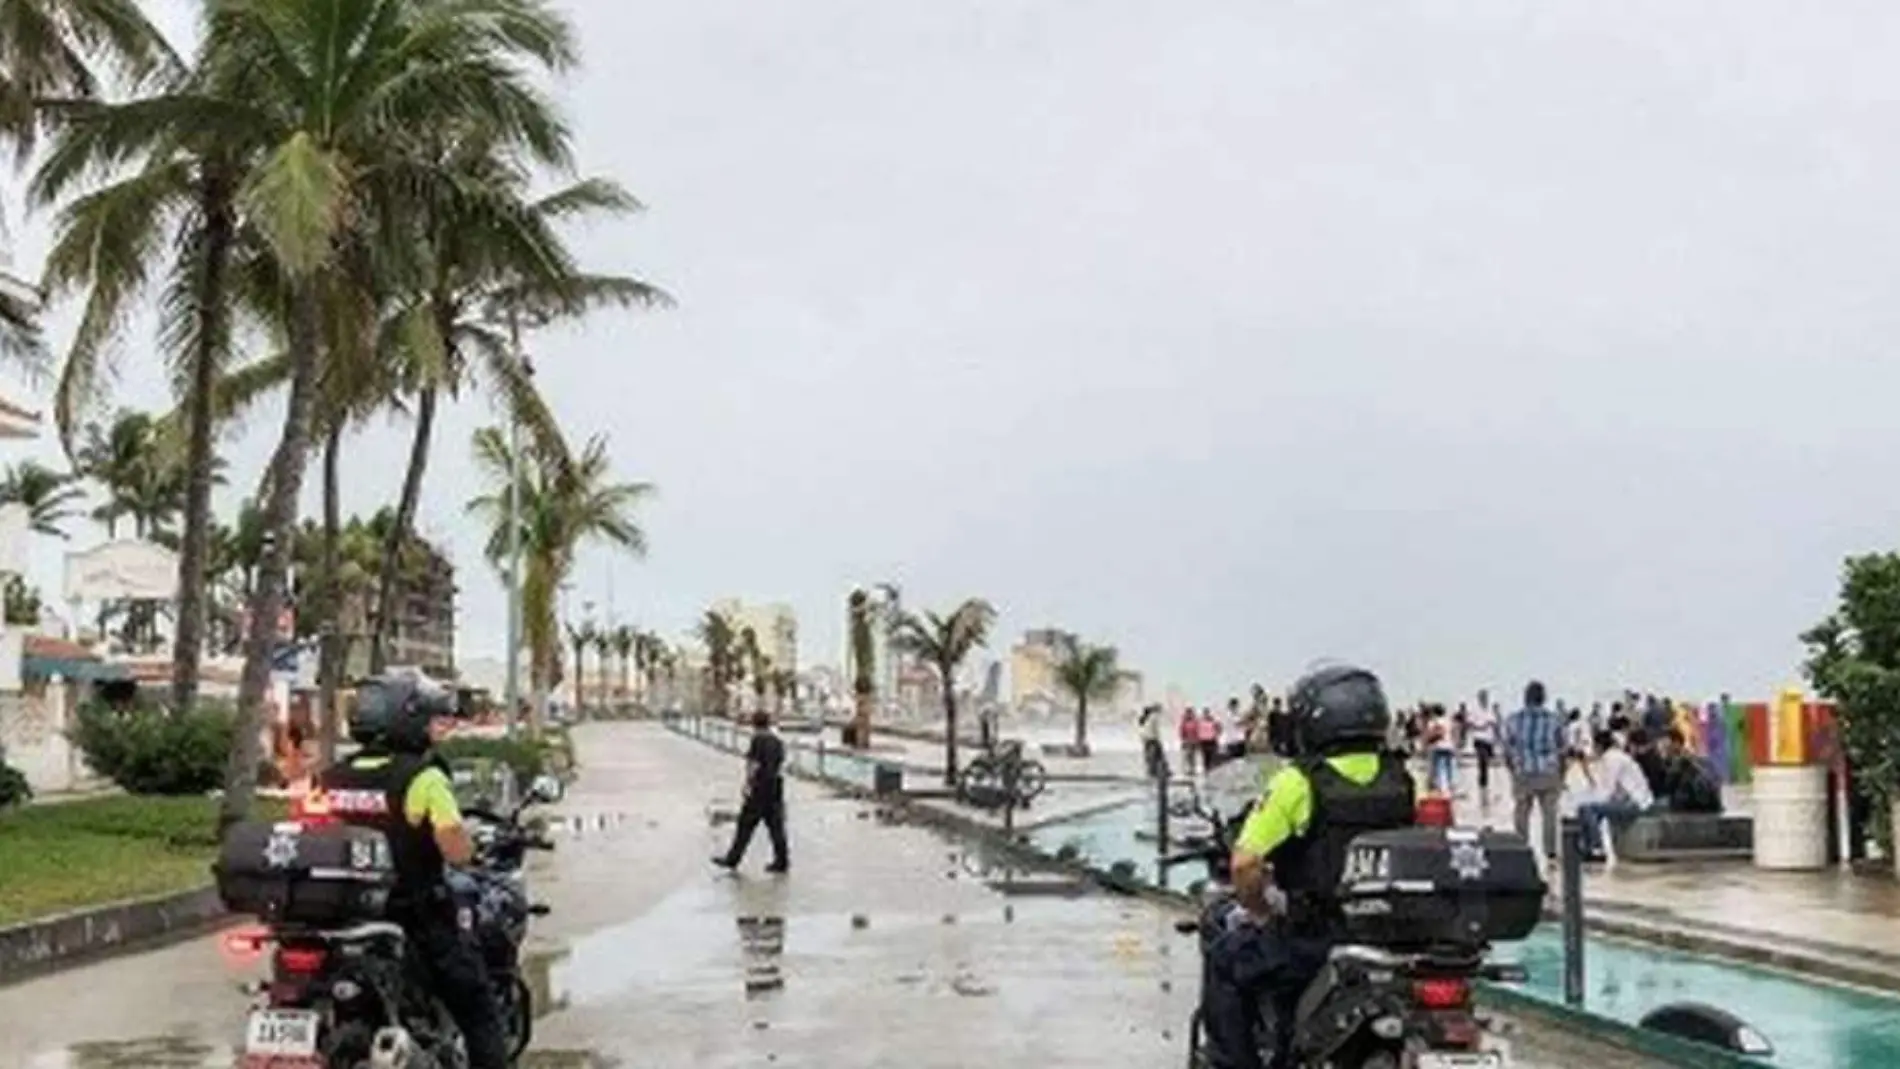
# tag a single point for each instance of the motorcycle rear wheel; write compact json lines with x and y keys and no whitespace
{"x":520,"y":1019}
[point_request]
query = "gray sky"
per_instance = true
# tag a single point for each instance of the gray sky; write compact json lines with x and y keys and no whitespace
{"x":1472,"y":339}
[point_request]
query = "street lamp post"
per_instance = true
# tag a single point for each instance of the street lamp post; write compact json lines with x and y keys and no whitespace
{"x":512,"y":690}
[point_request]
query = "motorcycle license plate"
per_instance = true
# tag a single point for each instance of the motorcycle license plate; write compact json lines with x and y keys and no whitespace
{"x":1460,"y":1059}
{"x":289,"y":1035}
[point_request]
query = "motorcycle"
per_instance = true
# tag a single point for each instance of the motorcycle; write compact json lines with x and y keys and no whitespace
{"x":344,"y":991}
{"x":1422,"y":908}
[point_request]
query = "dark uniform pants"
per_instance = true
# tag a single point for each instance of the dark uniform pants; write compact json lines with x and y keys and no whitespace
{"x":1252,"y":980}
{"x":457,"y":976}
{"x":762,"y":806}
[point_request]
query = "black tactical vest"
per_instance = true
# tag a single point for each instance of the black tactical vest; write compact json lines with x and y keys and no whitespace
{"x":372,"y":797}
{"x":1308,"y":866}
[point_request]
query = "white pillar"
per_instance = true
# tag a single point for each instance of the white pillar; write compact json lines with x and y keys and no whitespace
{"x":1790,"y":817}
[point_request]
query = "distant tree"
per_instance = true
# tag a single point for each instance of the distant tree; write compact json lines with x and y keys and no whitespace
{"x":943,"y":642}
{"x":1088,"y":673}
{"x":863,"y":665}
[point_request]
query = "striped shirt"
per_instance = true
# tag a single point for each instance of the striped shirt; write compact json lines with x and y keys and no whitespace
{"x":1534,"y":742}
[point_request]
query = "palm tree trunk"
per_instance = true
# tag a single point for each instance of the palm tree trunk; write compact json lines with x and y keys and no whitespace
{"x":280,"y":520}
{"x":949,"y":731}
{"x":330,"y":648}
{"x":381,"y":624}
{"x":1081,"y":725}
{"x":214,"y":200}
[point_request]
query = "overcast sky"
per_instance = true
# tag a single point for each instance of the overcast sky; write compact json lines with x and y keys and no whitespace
{"x":1474,"y":339}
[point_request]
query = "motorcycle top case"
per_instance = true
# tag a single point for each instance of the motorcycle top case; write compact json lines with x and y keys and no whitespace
{"x":1421,"y":887}
{"x":295,"y":874}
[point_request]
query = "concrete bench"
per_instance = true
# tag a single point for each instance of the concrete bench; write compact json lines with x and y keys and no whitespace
{"x":1685,"y":837}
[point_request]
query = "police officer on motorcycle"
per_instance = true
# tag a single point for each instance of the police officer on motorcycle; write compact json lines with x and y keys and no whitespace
{"x":1288,"y":858}
{"x":396,"y":785}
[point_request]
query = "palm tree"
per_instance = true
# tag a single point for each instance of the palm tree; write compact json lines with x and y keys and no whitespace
{"x":863,"y":665}
{"x":53,"y":51}
{"x":497,"y":260}
{"x":295,"y":136}
{"x":722,"y":659}
{"x":581,"y":637}
{"x":21,"y":340}
{"x":603,"y":648}
{"x":559,"y":508}
{"x":49,"y":497}
{"x":651,"y":658}
{"x":624,"y":640}
{"x":943,"y":642}
{"x":1088,"y":673}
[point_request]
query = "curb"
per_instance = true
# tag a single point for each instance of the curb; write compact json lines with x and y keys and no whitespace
{"x":1656,"y":1045}
{"x":42,"y":946}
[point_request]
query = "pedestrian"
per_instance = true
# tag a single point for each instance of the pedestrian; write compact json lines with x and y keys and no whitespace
{"x":1207,"y":736}
{"x":1148,"y":724}
{"x":1190,"y":734}
{"x":764,"y":798}
{"x":1484,"y":742}
{"x":1443,"y":747}
{"x":1278,"y":738}
{"x":1534,"y":754}
{"x":1623,"y":794}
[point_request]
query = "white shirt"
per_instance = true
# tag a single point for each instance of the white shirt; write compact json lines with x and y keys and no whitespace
{"x":1484,"y":725}
{"x":1150,"y":725}
{"x":1620,"y":777}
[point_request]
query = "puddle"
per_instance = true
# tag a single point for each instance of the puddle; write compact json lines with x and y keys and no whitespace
{"x":156,"y":1052}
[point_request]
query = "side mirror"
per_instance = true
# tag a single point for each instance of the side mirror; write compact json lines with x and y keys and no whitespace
{"x":545,"y":789}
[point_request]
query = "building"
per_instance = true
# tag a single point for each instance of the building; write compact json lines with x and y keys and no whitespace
{"x":1032,"y":675}
{"x":424,"y":631}
{"x":1032,"y":667}
{"x":775,"y":626}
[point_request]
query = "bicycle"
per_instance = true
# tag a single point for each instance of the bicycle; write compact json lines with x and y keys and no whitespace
{"x":1003,"y":773}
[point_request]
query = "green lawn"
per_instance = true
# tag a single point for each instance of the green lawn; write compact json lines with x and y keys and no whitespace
{"x":69,"y":855}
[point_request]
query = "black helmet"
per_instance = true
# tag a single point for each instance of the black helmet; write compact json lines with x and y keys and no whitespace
{"x":392,"y":713}
{"x":1339,"y":708}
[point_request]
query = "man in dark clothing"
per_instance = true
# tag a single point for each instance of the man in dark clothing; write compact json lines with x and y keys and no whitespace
{"x":764,"y":798}
{"x":1690,"y":785}
{"x":1643,"y":748}
{"x":399,"y":787}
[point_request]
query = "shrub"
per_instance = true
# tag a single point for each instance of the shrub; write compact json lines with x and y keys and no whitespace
{"x":528,"y":759}
{"x":13,"y":786}
{"x":149,"y":751}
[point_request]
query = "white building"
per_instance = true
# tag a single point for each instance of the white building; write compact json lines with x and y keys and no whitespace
{"x":775,"y":625}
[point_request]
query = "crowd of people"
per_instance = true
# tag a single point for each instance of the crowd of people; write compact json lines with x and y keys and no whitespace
{"x":1611,"y":761}
{"x":1635,"y":755}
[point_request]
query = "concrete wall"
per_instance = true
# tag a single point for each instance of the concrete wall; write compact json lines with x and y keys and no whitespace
{"x":33,"y":726}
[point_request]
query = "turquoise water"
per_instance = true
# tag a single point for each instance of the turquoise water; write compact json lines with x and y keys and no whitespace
{"x":1812,"y":1026}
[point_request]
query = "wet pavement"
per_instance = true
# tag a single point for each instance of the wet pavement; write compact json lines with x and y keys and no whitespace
{"x":884,"y":946}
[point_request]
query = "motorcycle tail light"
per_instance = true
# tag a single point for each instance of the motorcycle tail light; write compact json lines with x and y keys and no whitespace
{"x":1434,"y":811}
{"x":1441,"y":992}
{"x":311,"y":809}
{"x":300,"y":961}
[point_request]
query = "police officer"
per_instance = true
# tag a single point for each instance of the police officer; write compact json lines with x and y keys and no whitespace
{"x":399,"y":787}
{"x":1288,"y":858}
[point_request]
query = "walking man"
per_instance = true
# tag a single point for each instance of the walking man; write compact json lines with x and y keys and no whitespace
{"x":764,"y":798}
{"x":1534,"y":754}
